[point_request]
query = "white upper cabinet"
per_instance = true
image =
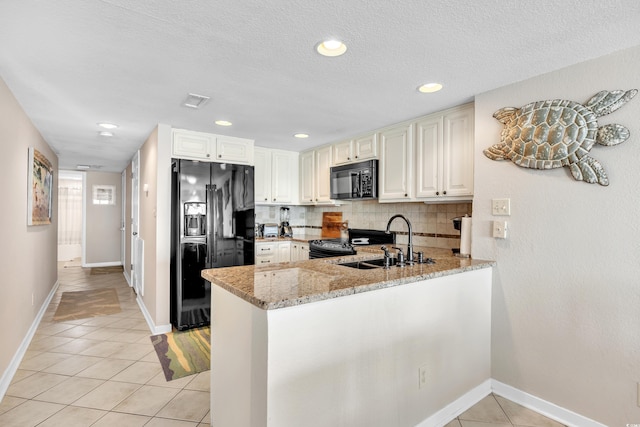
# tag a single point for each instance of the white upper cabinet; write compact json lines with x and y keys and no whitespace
{"x":395,"y":168}
{"x":429,"y":157}
{"x":203,"y":146}
{"x":307,"y":180}
{"x":355,"y":150}
{"x":441,"y":151}
{"x":315,"y":173}
{"x":444,"y":155}
{"x":323,"y":175}
{"x":234,"y":150}
{"x":366,"y":147}
{"x":458,"y":152}
{"x":193,"y":145}
{"x":276,"y":174}
{"x":342,"y":152}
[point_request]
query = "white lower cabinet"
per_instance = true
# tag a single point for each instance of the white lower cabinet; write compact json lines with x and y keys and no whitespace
{"x":299,"y":251}
{"x":272,"y":252}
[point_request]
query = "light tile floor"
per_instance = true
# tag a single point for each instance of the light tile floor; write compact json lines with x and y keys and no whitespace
{"x":100,"y":371}
{"x":104,"y":372}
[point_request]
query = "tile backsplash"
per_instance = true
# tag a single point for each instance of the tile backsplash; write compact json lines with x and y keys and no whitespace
{"x":432,"y":223}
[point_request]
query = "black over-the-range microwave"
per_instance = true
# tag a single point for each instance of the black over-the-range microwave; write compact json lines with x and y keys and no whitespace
{"x":355,"y":181}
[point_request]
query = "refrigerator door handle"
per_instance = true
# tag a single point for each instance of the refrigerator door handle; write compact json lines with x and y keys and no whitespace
{"x":209,"y":231}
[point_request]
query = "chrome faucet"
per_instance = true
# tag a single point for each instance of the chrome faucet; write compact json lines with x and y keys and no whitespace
{"x":410,"y":244}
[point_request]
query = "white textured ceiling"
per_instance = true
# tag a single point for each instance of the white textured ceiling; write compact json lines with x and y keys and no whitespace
{"x":73,"y":63}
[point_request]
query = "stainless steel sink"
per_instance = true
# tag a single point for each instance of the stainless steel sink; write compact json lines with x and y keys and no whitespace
{"x":369,"y":264}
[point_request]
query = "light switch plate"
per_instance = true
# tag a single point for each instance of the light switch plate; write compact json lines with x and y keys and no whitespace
{"x":501,"y":206}
{"x":500,"y":229}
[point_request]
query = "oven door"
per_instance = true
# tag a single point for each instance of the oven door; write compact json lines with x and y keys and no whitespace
{"x":346,"y":184}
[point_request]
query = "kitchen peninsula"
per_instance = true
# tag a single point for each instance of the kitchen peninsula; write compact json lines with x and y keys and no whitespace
{"x":316,"y":343}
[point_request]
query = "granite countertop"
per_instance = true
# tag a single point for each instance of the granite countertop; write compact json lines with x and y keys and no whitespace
{"x":289,"y":284}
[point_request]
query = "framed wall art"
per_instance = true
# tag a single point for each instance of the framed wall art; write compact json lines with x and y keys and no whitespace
{"x":104,"y":194}
{"x":40,"y":182}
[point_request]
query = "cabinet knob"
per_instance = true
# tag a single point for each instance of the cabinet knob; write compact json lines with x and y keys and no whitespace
{"x":405,"y":194}
{"x":444,"y":192}
{"x":208,"y":155}
{"x":274,"y":199}
{"x":356,"y":157}
{"x":437,"y":193}
{"x":348,"y":158}
{"x":219,"y":156}
{"x":265,"y":199}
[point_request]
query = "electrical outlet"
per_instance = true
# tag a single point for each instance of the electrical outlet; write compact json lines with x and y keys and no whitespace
{"x":500,"y":229}
{"x":501,"y":207}
{"x":422,"y":377}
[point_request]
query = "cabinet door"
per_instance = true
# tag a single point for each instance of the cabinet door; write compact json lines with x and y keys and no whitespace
{"x":262,"y":185}
{"x":366,"y":147}
{"x":234,"y":150}
{"x":303,"y":251}
{"x":284,"y":252}
{"x":394,"y":176}
{"x":307,"y":177}
{"x":323,"y":165}
{"x":429,"y":157}
{"x":457,"y":172}
{"x":342,"y":152}
{"x":192,"y":145}
{"x":284,"y":176}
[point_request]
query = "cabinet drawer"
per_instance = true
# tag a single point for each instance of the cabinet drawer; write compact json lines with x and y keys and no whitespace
{"x":265,"y":249}
{"x":265,"y":259}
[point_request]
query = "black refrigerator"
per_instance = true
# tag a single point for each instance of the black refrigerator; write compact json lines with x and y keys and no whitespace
{"x":212,"y":225}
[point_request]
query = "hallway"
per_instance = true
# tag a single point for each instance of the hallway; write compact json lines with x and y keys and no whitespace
{"x":99,"y":371}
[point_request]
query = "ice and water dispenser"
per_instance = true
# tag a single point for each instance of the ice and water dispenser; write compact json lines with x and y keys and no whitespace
{"x":195,"y":219}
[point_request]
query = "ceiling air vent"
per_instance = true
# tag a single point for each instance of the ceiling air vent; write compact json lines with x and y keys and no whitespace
{"x":195,"y":101}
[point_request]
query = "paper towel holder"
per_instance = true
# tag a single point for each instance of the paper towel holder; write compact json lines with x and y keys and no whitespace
{"x":457,"y":224}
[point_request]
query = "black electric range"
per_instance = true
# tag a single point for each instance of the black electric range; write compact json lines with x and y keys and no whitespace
{"x":325,"y":248}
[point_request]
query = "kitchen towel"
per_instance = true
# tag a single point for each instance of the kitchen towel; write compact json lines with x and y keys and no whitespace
{"x":465,"y":236}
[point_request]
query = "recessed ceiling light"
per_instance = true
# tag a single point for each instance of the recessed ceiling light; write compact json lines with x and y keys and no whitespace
{"x":301,"y":135}
{"x":108,"y":125}
{"x":331,"y":48}
{"x":105,"y":133}
{"x":429,"y":88}
{"x":223,"y":123}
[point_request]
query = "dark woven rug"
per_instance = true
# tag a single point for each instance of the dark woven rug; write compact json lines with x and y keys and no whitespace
{"x":183,"y":353}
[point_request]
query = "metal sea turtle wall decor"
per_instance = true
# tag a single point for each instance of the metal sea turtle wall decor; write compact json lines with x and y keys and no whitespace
{"x":556,"y":133}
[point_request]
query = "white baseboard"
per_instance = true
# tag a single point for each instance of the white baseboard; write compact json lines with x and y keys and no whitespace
{"x":155,"y":330}
{"x":548,"y":409}
{"x":458,"y":406}
{"x":8,"y":374}
{"x":127,"y":277}
{"x":102,"y":264}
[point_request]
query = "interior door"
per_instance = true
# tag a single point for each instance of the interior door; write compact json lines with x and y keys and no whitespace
{"x":136,"y":243}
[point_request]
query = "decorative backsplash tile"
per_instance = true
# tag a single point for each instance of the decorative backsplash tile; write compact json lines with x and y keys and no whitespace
{"x":432,"y":223}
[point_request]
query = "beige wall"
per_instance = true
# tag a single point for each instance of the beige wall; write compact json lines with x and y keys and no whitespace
{"x":28,"y":253}
{"x":155,"y":223}
{"x":566,"y":295}
{"x":103,"y":222}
